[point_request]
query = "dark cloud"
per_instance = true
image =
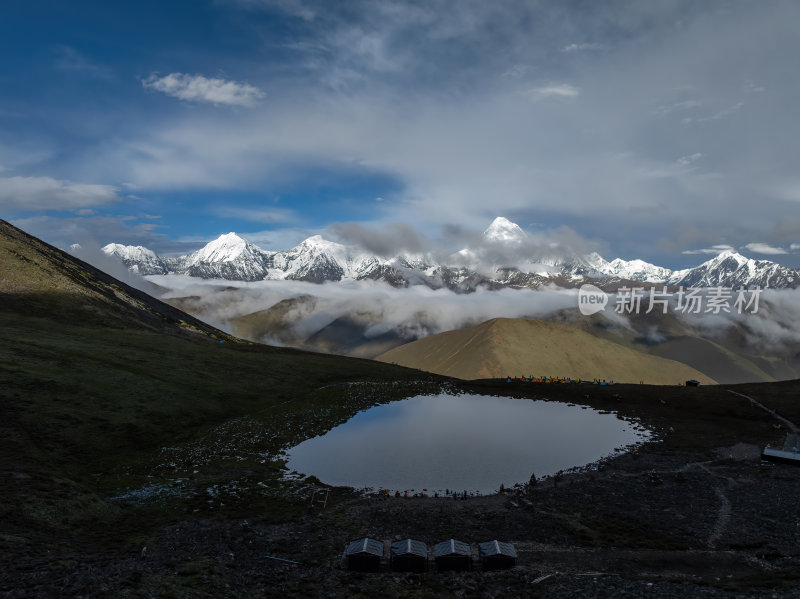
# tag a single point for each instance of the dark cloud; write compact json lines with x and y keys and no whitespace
{"x":788,"y":228}
{"x":387,"y":240}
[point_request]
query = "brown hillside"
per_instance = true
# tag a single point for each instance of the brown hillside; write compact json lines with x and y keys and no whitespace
{"x":515,"y":346}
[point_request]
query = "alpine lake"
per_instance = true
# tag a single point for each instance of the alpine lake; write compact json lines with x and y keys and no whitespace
{"x":457,"y":443}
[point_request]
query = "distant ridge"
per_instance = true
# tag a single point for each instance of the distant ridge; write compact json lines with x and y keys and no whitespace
{"x":523,"y":347}
{"x":317,"y":260}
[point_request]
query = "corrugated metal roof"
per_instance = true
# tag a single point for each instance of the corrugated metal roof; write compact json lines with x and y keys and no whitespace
{"x":410,"y":547}
{"x":491,"y":548}
{"x":365,"y":545}
{"x":451,"y":547}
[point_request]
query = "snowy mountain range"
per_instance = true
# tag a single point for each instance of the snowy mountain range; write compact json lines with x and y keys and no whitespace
{"x":494,"y":263}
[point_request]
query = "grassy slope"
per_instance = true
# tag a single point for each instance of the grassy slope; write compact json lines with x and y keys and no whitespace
{"x":96,"y":377}
{"x":513,"y":347}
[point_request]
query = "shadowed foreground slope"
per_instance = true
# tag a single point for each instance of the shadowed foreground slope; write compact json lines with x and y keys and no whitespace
{"x":97,"y":377}
{"x":523,"y":347}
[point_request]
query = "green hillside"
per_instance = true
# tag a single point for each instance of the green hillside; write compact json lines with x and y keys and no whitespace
{"x":97,"y":379}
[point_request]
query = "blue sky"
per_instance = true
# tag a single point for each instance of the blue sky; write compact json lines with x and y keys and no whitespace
{"x":638,"y":129}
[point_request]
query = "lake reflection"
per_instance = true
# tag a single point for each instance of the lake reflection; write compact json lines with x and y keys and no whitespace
{"x":464,"y":442}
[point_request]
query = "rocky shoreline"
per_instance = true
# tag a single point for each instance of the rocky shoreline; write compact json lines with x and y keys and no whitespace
{"x":694,"y":514}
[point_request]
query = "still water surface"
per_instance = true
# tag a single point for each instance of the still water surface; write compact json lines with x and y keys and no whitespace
{"x":463,"y":442}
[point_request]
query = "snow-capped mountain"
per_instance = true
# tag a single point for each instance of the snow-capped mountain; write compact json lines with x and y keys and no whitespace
{"x":730,"y":269}
{"x":227,"y":257}
{"x":501,"y":235}
{"x":137,"y":258}
{"x":633,"y":270}
{"x":234,"y":258}
{"x":318,"y":260}
{"x":505,"y":248}
{"x":504,"y":231}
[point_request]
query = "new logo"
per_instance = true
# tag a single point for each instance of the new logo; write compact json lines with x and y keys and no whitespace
{"x":591,"y":299}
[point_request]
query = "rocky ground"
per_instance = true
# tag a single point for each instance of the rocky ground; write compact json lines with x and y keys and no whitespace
{"x":695,"y":514}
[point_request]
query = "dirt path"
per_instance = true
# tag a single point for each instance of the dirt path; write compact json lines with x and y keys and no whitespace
{"x":723,"y":518}
{"x":789,"y":424}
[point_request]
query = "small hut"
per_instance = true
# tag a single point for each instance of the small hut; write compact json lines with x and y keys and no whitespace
{"x":497,"y":556}
{"x":452,"y":555}
{"x":364,"y":555}
{"x":789,"y":452}
{"x":409,"y":555}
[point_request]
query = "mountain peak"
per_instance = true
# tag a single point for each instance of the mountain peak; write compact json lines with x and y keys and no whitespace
{"x":224,"y":248}
{"x":316,"y":260}
{"x":728,"y":252}
{"x":503,"y":229}
{"x":314,"y":240}
{"x":725,"y":255}
{"x":319,"y":243}
{"x":229,"y":238}
{"x":134,"y":253}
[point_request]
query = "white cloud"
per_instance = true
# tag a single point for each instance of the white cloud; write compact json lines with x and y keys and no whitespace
{"x":257,"y":215}
{"x":69,"y":59}
{"x":721,"y":114}
{"x":555,"y":90}
{"x":94,"y":230}
{"x":714,"y":249}
{"x":752,"y":88}
{"x":518,"y":71}
{"x":777,"y":322}
{"x":581,"y":47}
{"x":196,"y":88}
{"x":690,"y":159}
{"x":418,"y":311}
{"x":459,"y":143}
{"x":46,"y":193}
{"x":415,"y":311}
{"x":678,"y":106}
{"x":725,"y":112}
{"x":794,"y":247}
{"x":788,"y":189}
{"x":276,"y":239}
{"x":295,"y":8}
{"x":763,"y":248}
